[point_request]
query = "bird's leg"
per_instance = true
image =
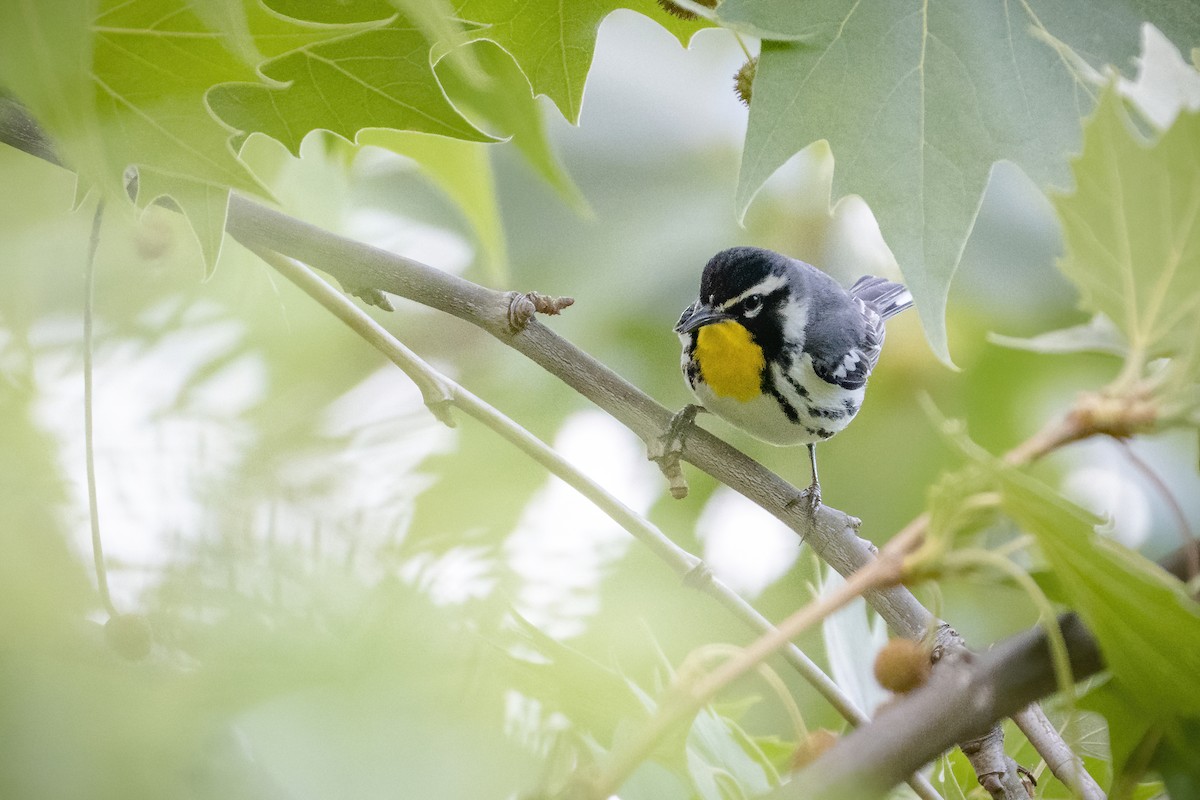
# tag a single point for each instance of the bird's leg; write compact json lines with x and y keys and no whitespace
{"x":666,"y":449}
{"x":813,"y":493}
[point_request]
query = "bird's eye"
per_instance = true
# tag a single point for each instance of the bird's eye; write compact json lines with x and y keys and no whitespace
{"x":752,"y":305}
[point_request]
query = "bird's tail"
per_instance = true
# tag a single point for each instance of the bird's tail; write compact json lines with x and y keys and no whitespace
{"x":886,"y":297}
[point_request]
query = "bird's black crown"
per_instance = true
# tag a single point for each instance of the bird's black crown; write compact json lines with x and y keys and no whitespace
{"x":733,"y":271}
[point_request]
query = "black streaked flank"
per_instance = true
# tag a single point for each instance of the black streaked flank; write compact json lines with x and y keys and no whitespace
{"x":788,"y":411}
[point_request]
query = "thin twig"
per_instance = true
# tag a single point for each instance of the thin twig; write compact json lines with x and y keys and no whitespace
{"x":89,"y":449}
{"x":1057,"y":433}
{"x":1191,"y":547}
{"x":1064,"y":764}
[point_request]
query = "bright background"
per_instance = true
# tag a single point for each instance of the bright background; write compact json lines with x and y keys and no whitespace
{"x":309,"y":544}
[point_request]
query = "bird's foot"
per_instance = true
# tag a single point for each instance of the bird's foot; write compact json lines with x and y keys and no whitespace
{"x":665,"y":450}
{"x":809,"y":500}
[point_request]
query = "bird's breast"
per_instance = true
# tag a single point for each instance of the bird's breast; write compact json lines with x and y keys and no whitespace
{"x":730,"y":361}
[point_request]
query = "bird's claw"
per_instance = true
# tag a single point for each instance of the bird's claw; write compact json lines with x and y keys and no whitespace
{"x":808,"y":499}
{"x":665,"y":450}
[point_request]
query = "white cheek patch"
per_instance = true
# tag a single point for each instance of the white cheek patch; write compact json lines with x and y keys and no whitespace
{"x":766,"y":286}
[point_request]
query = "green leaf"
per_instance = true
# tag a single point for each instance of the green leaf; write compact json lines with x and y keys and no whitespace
{"x":715,"y":750}
{"x":45,"y":61}
{"x":1147,"y":626}
{"x":378,"y":78}
{"x":339,"y":13}
{"x":1176,"y":760}
{"x":132,"y":95}
{"x":275,"y":33}
{"x":463,"y":170}
{"x":153,"y":63}
{"x":447,"y":34}
{"x":1127,"y":724}
{"x":1098,"y":335}
{"x":229,"y":18}
{"x":504,"y":105}
{"x":918,"y":101}
{"x":1132,"y":230}
{"x":554,"y":40}
{"x":1137,"y":743}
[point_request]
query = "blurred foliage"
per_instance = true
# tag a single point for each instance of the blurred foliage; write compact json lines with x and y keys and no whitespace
{"x":346,"y":599}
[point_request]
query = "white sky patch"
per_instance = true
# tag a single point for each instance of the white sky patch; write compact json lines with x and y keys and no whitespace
{"x":563,"y":544}
{"x":852,"y":638}
{"x":744,"y":546}
{"x":1111,"y":494}
{"x":380,"y":433}
{"x":153,"y":447}
{"x":454,"y":577}
{"x":164,"y":439}
{"x":854,"y":245}
{"x":693,"y":84}
{"x":1166,"y":84}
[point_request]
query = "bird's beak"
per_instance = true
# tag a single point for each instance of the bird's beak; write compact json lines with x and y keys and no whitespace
{"x":698,"y":316}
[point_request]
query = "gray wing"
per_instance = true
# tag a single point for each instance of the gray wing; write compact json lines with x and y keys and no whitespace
{"x":844,"y":335}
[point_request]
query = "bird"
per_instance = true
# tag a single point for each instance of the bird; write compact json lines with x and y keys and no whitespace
{"x":780,"y":349}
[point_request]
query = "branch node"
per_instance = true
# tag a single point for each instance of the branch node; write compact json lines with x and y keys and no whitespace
{"x":698,"y":577}
{"x":665,"y":450}
{"x":947,"y":643}
{"x":1028,"y":779}
{"x":523,"y":307}
{"x":678,"y":484}
{"x":1117,"y":415}
{"x":440,"y":408}
{"x":369,"y":295}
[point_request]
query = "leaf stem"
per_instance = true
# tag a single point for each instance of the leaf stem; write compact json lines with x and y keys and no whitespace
{"x":1191,"y":546}
{"x":89,"y":447}
{"x":742,"y":44}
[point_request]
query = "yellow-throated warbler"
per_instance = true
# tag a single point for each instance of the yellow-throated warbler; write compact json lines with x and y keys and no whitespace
{"x":779,"y":349}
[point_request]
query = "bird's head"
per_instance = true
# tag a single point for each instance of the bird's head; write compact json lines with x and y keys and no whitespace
{"x":746,"y":285}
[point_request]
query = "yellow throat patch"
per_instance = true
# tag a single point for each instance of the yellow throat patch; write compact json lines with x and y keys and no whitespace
{"x":730,"y":362}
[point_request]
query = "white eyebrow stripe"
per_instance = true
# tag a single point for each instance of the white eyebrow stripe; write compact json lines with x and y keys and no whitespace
{"x":765,"y":286}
